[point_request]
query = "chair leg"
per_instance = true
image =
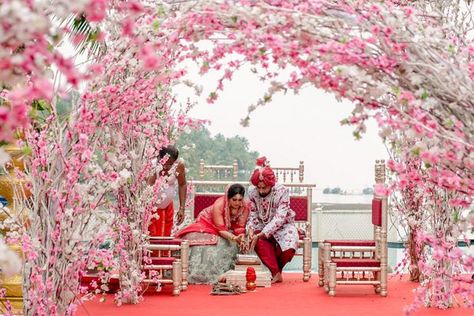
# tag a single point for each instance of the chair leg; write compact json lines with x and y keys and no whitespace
{"x":185,"y":263}
{"x":383,"y":280}
{"x":177,"y":277}
{"x":332,"y":279}
{"x":306,"y":259}
{"x":327,"y":261}
{"x":321,"y":264}
{"x":377,"y":278}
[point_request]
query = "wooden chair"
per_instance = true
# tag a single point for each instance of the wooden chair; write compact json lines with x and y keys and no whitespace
{"x":358,"y":261}
{"x":369,"y":245}
{"x":168,"y":254}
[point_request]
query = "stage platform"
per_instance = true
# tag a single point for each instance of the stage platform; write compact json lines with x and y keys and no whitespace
{"x":292,"y":297}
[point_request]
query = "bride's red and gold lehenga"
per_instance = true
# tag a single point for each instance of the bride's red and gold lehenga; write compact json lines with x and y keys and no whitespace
{"x":211,"y":255}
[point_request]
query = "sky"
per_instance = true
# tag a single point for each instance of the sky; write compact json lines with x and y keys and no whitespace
{"x":292,"y":128}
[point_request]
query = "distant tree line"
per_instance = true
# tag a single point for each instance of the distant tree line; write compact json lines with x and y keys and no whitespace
{"x":218,"y":150}
{"x":332,"y":190}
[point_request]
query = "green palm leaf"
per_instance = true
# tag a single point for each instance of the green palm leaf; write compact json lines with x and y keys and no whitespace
{"x":83,"y":36}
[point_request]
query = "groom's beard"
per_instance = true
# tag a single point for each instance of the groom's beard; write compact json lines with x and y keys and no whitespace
{"x":264,"y":194}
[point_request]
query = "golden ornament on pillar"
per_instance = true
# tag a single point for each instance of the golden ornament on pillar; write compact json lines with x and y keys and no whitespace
{"x":13,"y":284}
{"x":16,"y":153}
{"x":9,"y":183}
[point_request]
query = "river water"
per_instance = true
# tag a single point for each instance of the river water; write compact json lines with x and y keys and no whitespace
{"x":320,"y":197}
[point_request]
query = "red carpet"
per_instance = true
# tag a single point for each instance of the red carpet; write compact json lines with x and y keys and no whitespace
{"x":292,"y":297}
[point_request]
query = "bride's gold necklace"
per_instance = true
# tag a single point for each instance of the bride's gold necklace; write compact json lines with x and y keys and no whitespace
{"x":234,"y":213}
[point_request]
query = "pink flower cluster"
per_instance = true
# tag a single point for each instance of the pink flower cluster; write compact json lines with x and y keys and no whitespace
{"x":27,"y":54}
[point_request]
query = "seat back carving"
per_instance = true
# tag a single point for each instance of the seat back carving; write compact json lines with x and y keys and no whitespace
{"x":290,"y":174}
{"x":218,"y":172}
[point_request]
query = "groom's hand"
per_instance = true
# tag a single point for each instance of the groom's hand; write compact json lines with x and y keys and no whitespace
{"x":254,"y":239}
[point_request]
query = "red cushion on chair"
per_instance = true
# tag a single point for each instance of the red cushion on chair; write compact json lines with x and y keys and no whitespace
{"x":90,"y":278}
{"x":162,"y":261}
{"x":356,"y":242}
{"x":203,"y":201}
{"x":377,"y":212}
{"x":299,"y":204}
{"x":355,"y":262}
{"x":113,"y":284}
{"x":159,"y":241}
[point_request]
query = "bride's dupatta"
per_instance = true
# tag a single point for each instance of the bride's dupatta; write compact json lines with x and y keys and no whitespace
{"x":205,"y":232}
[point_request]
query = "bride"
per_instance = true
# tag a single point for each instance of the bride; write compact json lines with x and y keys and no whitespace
{"x":216,"y":236}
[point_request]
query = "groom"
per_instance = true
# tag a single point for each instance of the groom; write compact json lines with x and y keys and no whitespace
{"x":271,"y":227}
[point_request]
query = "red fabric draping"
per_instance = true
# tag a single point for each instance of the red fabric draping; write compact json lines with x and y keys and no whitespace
{"x":162,"y":226}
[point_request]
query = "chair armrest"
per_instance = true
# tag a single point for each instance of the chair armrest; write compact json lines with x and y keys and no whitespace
{"x":354,"y":248}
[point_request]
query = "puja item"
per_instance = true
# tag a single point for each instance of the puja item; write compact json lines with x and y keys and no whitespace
{"x":251,"y":277}
{"x":247,"y":259}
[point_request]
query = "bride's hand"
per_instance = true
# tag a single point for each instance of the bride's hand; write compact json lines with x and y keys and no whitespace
{"x":238,"y":239}
{"x":244,"y":245}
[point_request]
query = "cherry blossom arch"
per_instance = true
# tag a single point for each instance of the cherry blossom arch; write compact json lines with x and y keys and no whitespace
{"x":400,"y":65}
{"x":406,"y":64}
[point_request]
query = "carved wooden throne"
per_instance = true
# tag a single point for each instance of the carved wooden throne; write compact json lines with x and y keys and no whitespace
{"x":168,"y":254}
{"x":358,"y":261}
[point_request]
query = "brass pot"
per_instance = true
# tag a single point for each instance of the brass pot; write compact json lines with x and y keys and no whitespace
{"x":251,"y":286}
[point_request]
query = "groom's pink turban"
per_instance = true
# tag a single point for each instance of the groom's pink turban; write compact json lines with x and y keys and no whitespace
{"x":263,"y":172}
